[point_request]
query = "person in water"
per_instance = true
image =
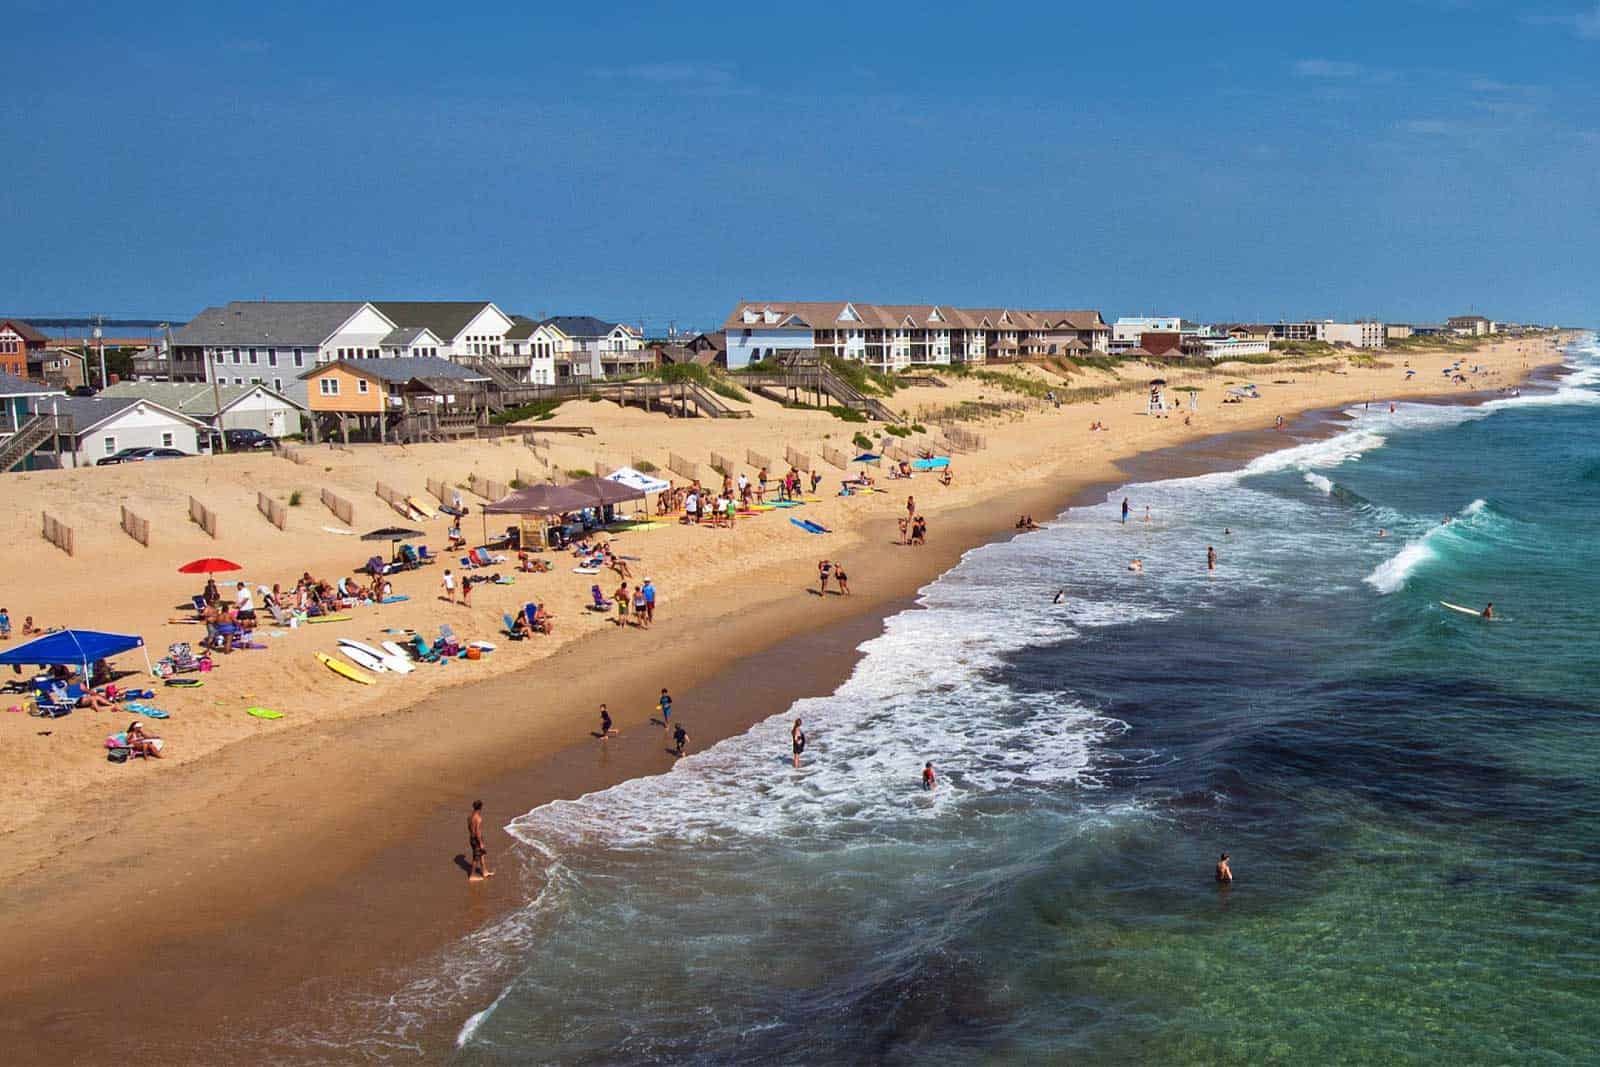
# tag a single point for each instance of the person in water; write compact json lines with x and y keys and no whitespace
{"x":1211,"y":557}
{"x":929,"y":779}
{"x":1061,"y":595}
{"x":1125,"y":509}
{"x":606,"y":729}
{"x":1488,"y":610}
{"x":1224,"y":872}
{"x":680,"y":738}
{"x":797,"y":740}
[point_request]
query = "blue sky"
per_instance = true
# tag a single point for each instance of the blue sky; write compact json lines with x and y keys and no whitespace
{"x":1405,"y":159}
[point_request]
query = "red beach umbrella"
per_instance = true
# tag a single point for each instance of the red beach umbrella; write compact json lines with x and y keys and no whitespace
{"x":209,"y":565}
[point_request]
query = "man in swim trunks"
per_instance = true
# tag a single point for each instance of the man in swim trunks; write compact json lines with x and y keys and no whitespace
{"x":478,"y":870}
{"x":1224,"y":872}
{"x":824,"y":572}
{"x":1125,"y":509}
{"x":797,"y":738}
{"x":1211,"y":557}
{"x":1488,"y":610}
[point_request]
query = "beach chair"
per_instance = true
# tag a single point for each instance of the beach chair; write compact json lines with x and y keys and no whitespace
{"x":601,"y":603}
{"x":424,"y":556}
{"x":47,"y":707}
{"x":509,"y":628}
{"x":199,"y":603}
{"x":409,"y":558}
{"x":417,"y":648}
{"x":278,"y":614}
{"x":448,"y":644}
{"x":375,"y":566}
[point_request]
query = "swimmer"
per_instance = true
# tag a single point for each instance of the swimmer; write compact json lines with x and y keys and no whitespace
{"x":1224,"y":872}
{"x":1383,"y":533}
{"x":1061,"y":595}
{"x":1227,"y":531}
{"x":1136,"y":566}
{"x":1488,"y":610}
{"x":928,"y":778}
{"x":1211,"y":558}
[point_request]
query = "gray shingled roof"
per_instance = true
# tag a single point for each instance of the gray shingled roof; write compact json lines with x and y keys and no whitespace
{"x":446,"y":318}
{"x":307,"y":323}
{"x":404,"y":335}
{"x":406,"y":368}
{"x":196,"y":399}
{"x":11,"y":385}
{"x":87,"y":412}
{"x":581,"y":325}
{"x":521,"y":328}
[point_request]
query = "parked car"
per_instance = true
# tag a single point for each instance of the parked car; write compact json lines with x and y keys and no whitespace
{"x":139,"y":455}
{"x":243,"y":440}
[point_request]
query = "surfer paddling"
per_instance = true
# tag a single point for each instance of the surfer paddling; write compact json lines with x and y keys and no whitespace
{"x":1488,"y":610}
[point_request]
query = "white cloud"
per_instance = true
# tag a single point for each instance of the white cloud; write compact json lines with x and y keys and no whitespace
{"x":1328,"y":68}
{"x":685,"y":74}
{"x":1586,"y":24}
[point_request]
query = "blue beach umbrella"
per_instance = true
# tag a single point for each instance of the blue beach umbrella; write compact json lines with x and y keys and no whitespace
{"x":74,"y":648}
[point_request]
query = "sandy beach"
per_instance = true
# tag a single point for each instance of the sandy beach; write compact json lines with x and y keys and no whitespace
{"x":327,"y":843}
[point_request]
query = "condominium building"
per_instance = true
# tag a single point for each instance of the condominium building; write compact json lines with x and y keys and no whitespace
{"x":1354,"y":334}
{"x":1471,"y":325}
{"x":892,"y":336}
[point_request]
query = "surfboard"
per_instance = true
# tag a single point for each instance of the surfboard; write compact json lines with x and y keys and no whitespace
{"x":343,"y":669}
{"x":264,"y":713}
{"x":328,"y":618}
{"x":338,"y":530}
{"x":394,"y":599}
{"x":484,"y":646}
{"x":428,"y":511}
{"x":400,"y":664}
{"x":1464,"y":611}
{"x":393,"y":649}
{"x":363,"y":658}
{"x":183,"y":683}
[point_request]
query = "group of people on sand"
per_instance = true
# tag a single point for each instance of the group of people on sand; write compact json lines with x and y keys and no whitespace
{"x":829,"y":569}
{"x":638,"y":601}
{"x":28,"y":628}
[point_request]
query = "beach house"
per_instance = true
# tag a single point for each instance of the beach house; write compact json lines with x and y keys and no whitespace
{"x":893,"y":336}
{"x":1470,"y":325}
{"x":460,"y":328}
{"x":18,"y":341}
{"x":17,"y":399}
{"x":243,"y":407}
{"x":410,"y":398}
{"x":61,"y":367}
{"x":1363,"y":334}
{"x":90,"y":428}
{"x":1128,"y":329}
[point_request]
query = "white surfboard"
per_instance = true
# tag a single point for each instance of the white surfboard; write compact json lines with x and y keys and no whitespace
{"x":1464,"y":611}
{"x":481,"y":646}
{"x":363,"y":658}
{"x":398,"y":662}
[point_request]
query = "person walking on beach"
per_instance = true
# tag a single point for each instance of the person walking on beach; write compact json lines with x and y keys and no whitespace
{"x":1211,"y":557}
{"x":824,"y":571}
{"x":1126,"y":507}
{"x":841,"y":579}
{"x":929,"y":780}
{"x":605,"y":724}
{"x":665,"y":706}
{"x":478,"y":870}
{"x":797,"y":739}
{"x":466,"y":591}
{"x":680,"y":738}
{"x":448,"y":584}
{"x":649,"y":601}
{"x":911,"y":507}
{"x":1224,"y":872}
{"x":641,"y":610}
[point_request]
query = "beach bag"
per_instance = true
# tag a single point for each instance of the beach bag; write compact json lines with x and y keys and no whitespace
{"x":118,"y":755}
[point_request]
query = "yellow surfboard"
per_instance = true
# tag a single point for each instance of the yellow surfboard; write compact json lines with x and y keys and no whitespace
{"x":344,"y":668}
{"x":422,"y":507}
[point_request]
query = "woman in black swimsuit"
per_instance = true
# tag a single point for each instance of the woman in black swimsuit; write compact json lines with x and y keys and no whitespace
{"x":798,"y":737}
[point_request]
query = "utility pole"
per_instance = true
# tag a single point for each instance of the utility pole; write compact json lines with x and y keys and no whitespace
{"x":216,"y":399}
{"x":100,"y":343}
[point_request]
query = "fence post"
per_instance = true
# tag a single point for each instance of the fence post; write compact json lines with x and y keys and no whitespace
{"x":203,"y":517}
{"x":135,"y":527}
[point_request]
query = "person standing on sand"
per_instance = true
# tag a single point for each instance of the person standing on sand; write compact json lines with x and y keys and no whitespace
{"x":797,"y":740}
{"x":1125,"y":509}
{"x":665,"y":707}
{"x":1211,"y":557}
{"x":824,"y":571}
{"x":929,"y":780}
{"x":649,"y":601}
{"x":641,"y":611}
{"x":1224,"y":872}
{"x":478,"y":870}
{"x":448,"y":584}
{"x":841,"y":579}
{"x":624,"y":598}
{"x":605,"y":724}
{"x":466,"y":591}
{"x":911,"y":507}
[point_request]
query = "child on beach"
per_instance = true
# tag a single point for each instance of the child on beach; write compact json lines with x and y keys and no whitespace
{"x":448,"y":584}
{"x":605,"y":724}
{"x":624,"y":599}
{"x":5,"y":624}
{"x":680,"y":738}
{"x":665,"y":705}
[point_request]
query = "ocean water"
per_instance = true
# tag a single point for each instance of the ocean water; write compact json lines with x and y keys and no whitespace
{"x":1409,"y":795}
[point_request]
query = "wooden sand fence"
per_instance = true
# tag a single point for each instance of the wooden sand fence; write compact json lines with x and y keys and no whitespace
{"x":682,"y":467}
{"x":59,"y":534}
{"x":395,"y":499}
{"x":487,"y":488}
{"x":274,"y":510}
{"x":203,"y":517}
{"x":439,"y":490}
{"x":526,"y":478}
{"x":965,"y":440}
{"x":294,"y":455}
{"x":896,"y":452}
{"x":722,"y":464}
{"x":342,"y":509}
{"x":796,"y":459}
{"x":837,"y":458}
{"x":136,"y":527}
{"x":756,"y":459}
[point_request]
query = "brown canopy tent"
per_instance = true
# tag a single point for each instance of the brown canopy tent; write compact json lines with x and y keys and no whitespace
{"x":534,"y":502}
{"x":598,"y":492}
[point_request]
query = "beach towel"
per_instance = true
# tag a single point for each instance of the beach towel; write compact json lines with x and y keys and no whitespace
{"x":147,"y":711}
{"x":809,"y":526}
{"x":934,"y":464}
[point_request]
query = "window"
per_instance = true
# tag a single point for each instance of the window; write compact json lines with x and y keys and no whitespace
{"x":252,"y":357}
{"x":166,"y":439}
{"x":110,"y":444}
{"x":234,"y":352}
{"x":219,"y":355}
{"x":238,"y":381}
{"x":328,"y":386}
{"x":255,"y":381}
{"x":299,"y":358}
{"x":272,"y":357}
{"x":361,"y":385}
{"x":372,"y":353}
{"x":277,"y":385}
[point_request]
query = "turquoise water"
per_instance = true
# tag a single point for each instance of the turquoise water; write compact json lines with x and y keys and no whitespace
{"x":1409,"y":796}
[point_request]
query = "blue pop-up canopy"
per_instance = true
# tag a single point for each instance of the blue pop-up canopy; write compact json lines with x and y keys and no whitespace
{"x":79,"y":648}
